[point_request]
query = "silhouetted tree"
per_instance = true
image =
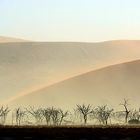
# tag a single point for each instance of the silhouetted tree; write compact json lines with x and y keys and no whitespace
{"x":126,"y":110}
{"x":63,"y":114}
{"x":47,"y":112}
{"x":19,"y":115}
{"x":103,"y":113}
{"x":84,"y":110}
{"x":3,"y":114}
{"x":55,"y":116}
{"x":36,"y":113}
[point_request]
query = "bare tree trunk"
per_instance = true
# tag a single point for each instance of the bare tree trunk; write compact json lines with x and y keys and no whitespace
{"x":106,"y":122}
{"x":85,"y":119}
{"x":126,"y":117}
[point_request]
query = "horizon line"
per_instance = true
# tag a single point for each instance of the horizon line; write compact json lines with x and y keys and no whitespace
{"x":57,"y":41}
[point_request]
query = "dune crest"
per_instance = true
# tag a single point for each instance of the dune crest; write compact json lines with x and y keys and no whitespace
{"x":11,"y":39}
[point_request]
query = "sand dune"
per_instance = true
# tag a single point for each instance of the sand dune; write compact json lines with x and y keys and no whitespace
{"x":108,"y":85}
{"x":29,"y":66}
{"x":11,"y":39}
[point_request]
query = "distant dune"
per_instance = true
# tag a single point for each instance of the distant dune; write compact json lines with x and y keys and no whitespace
{"x":26,"y":67}
{"x":10,"y":39}
{"x":108,"y":85}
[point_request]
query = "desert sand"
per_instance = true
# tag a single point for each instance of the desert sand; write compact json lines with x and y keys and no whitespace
{"x":48,"y":72}
{"x":108,"y":85}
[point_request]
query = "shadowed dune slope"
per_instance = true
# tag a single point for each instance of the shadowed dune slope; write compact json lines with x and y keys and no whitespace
{"x":28,"y":66}
{"x":104,"y":86}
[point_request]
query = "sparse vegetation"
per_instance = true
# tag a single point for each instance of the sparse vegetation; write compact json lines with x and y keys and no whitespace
{"x":51,"y":123}
{"x":51,"y":116}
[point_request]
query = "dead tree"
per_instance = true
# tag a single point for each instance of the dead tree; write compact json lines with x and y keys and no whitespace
{"x":63,"y":114}
{"x":3,"y":114}
{"x":47,"y":114}
{"x":55,"y":116}
{"x":126,"y":110}
{"x":84,"y":111}
{"x":36,"y":113}
{"x":102,"y":113}
{"x":19,"y":115}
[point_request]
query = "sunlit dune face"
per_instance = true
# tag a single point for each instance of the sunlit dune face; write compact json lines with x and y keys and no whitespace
{"x":28,"y":67}
{"x":108,"y":85}
{"x":41,"y":87}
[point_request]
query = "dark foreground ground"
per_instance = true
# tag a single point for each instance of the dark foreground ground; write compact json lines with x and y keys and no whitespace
{"x":70,"y":133}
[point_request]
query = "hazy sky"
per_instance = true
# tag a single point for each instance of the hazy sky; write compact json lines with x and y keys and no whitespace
{"x":70,"y":20}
